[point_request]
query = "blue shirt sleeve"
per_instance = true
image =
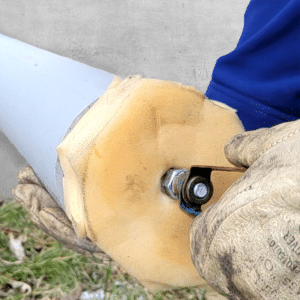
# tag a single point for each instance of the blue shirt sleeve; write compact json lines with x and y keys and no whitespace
{"x":261,"y":77}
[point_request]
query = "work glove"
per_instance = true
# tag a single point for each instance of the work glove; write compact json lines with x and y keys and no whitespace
{"x":247,"y":245}
{"x":47,"y":215}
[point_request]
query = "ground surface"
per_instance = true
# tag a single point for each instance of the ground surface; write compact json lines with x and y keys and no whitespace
{"x":50,"y":271}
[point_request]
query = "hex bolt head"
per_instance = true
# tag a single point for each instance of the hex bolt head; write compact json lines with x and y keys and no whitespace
{"x":172,"y":182}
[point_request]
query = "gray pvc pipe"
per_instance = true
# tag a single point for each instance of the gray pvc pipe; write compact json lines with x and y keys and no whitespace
{"x":42,"y":96}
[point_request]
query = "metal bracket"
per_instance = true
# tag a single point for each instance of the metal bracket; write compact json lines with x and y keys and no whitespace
{"x":193,"y":188}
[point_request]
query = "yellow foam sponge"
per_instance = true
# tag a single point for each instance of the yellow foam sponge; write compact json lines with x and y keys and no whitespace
{"x":113,"y":161}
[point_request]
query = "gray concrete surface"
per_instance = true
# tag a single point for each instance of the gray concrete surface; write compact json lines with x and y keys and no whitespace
{"x":173,"y":40}
{"x":10,"y":164}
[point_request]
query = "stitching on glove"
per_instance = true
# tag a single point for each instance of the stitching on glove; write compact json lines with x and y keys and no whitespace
{"x":278,"y":142}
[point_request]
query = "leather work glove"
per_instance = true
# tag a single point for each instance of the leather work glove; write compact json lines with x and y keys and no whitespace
{"x":47,"y":215}
{"x":247,"y":245}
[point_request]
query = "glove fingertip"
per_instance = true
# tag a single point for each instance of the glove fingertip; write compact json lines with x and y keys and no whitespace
{"x":17,"y":193}
{"x":233,"y":148}
{"x":27,"y":175}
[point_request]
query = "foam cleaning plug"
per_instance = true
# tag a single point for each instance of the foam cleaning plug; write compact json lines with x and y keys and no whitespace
{"x":113,"y":161}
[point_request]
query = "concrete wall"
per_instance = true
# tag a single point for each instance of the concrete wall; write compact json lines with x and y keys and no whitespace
{"x":174,"y":40}
{"x":10,"y":164}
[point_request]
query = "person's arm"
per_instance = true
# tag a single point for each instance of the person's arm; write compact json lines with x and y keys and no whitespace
{"x":260,"y":78}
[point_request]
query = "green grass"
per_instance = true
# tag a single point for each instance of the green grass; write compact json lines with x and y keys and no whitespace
{"x":51,"y":269}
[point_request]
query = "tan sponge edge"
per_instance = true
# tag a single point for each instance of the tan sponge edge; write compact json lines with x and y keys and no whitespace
{"x":113,"y":161}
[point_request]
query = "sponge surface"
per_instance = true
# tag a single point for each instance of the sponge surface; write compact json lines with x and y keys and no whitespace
{"x":113,"y":161}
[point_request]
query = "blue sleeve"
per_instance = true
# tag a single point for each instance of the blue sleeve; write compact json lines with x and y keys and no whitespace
{"x":261,"y":77}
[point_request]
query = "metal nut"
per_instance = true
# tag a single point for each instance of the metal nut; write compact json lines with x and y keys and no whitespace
{"x":172,"y":182}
